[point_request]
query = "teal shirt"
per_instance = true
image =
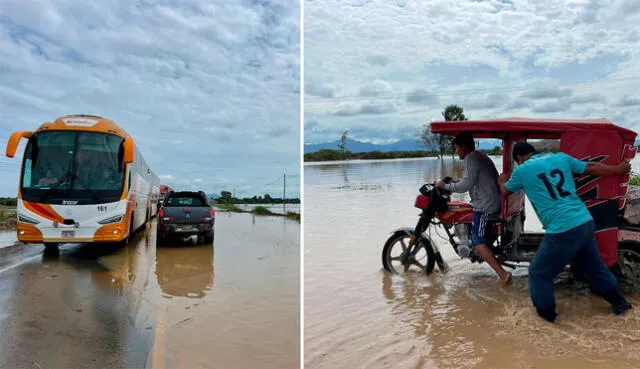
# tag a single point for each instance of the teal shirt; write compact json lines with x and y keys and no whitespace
{"x":547,"y":180}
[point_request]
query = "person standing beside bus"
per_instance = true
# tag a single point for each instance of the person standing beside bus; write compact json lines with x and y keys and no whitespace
{"x":547,"y":180}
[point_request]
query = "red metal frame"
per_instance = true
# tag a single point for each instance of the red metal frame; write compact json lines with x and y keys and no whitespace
{"x":592,"y":139}
{"x":533,"y":128}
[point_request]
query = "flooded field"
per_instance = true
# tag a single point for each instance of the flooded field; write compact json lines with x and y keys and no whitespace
{"x":358,"y":316}
{"x":275,"y":208}
{"x":234,"y":304}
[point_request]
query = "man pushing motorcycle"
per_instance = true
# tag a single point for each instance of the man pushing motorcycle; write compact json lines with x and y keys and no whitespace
{"x":481,"y":181}
{"x":547,"y":180}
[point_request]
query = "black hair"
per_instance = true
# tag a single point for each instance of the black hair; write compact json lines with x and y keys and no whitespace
{"x":522,"y":149}
{"x":465,"y":139}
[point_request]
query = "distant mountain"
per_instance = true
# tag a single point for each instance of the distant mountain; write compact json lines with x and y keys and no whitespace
{"x":356,"y":146}
{"x":361,"y":146}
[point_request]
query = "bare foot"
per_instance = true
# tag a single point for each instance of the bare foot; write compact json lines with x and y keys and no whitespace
{"x":506,"y":278}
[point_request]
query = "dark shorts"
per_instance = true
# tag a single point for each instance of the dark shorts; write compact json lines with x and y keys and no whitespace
{"x":482,"y":227}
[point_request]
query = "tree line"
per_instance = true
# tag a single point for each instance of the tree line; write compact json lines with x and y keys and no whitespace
{"x":10,"y":202}
{"x":434,"y":144}
{"x":226,"y":197}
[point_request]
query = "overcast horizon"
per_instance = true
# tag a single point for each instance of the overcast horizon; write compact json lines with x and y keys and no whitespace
{"x":210,"y":92}
{"x":382,"y":70}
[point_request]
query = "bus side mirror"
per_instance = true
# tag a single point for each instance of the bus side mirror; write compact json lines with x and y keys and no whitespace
{"x":128,"y":150}
{"x":14,"y":140}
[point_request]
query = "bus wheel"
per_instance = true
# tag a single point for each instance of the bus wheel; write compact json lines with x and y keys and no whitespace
{"x":51,"y":248}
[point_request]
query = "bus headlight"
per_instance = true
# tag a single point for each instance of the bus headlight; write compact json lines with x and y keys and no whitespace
{"x":116,"y":219}
{"x":25,"y":219}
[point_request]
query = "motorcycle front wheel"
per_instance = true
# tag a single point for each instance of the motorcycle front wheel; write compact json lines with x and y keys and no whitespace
{"x":420,"y":256}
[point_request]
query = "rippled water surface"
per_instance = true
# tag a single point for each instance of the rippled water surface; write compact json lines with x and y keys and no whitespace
{"x":358,"y":316}
{"x":231,"y":304}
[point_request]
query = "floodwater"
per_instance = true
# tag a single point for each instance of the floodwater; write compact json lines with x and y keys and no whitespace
{"x":358,"y":316}
{"x":7,"y":238}
{"x":234,"y":304}
{"x":275,"y":208}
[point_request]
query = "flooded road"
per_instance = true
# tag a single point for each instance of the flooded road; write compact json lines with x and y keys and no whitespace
{"x":358,"y":316}
{"x":232,"y":304}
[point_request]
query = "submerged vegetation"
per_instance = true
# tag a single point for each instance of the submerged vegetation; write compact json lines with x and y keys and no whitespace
{"x":261,"y":210}
{"x":293,"y":216}
{"x":258,"y":210}
{"x":227,"y":207}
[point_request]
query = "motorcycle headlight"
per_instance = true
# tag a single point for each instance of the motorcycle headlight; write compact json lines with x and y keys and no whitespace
{"x":116,"y":219}
{"x":25,"y":219}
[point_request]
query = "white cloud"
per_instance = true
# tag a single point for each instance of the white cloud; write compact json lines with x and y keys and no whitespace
{"x":629,"y":101}
{"x":209,"y":90}
{"x":572,"y":59}
{"x":375,"y":88}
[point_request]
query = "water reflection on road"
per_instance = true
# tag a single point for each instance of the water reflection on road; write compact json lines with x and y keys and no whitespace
{"x":358,"y":316}
{"x":232,"y":304}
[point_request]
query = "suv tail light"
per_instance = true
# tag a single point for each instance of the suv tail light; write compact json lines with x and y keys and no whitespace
{"x":212,"y":215}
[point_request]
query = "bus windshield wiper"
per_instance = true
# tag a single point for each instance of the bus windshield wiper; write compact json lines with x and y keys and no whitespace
{"x":93,"y":193}
{"x":49,"y":191}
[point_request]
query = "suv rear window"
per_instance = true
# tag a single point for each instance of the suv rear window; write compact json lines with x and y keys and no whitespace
{"x":185,"y":200}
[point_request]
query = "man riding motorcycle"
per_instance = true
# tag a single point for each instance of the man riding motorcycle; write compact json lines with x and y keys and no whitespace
{"x":481,"y":181}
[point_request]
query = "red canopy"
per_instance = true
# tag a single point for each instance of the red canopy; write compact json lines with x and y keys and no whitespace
{"x":532,"y":128}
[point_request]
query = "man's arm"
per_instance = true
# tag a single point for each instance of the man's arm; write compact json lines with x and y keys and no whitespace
{"x":502,"y":182}
{"x":469,"y":180}
{"x":597,"y":169}
{"x":600,"y":170}
{"x":510,"y":185}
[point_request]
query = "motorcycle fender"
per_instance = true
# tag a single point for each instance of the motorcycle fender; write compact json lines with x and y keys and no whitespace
{"x":408,"y":231}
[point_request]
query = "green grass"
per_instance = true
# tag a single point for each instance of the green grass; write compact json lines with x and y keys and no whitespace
{"x":634,"y":179}
{"x":293,"y":216}
{"x":228,"y":207}
{"x":7,"y":215}
{"x":261,"y":210}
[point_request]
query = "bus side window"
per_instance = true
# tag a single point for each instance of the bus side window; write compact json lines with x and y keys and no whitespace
{"x":26,"y":182}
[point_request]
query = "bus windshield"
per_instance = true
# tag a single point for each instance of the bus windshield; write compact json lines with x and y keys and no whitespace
{"x":73,"y":167}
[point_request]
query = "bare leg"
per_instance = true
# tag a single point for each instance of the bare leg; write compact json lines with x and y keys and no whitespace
{"x":487,"y":255}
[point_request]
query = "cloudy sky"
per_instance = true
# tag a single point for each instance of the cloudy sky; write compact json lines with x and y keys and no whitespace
{"x":383,"y":68}
{"x":209,"y":90}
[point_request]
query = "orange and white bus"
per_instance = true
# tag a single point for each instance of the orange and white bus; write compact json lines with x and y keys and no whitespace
{"x":82,"y":180}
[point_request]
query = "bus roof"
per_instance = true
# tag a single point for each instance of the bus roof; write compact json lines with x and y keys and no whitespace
{"x":83,"y":122}
{"x":532,"y":127}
